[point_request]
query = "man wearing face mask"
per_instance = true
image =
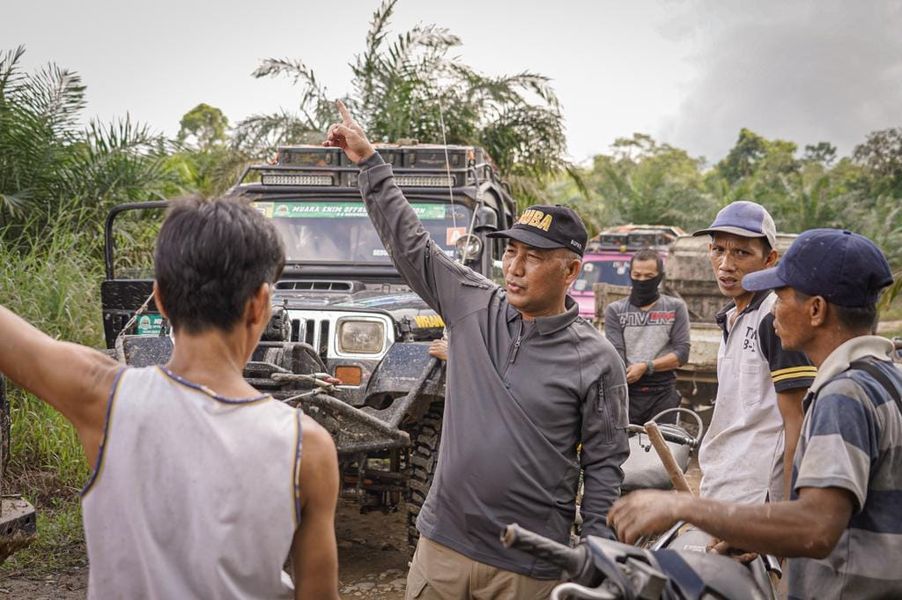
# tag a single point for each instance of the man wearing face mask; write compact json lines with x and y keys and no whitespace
{"x":651,"y":332}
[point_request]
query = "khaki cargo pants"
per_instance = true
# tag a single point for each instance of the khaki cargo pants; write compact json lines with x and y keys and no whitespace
{"x":439,"y":573}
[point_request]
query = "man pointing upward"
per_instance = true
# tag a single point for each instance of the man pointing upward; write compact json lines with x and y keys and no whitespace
{"x":528,"y":380}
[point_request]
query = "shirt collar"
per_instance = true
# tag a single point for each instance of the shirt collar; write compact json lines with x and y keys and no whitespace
{"x":553,"y":323}
{"x":757,"y":299}
{"x":847,"y":353}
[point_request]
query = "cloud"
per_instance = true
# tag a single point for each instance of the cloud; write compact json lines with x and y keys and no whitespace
{"x":806,"y":71}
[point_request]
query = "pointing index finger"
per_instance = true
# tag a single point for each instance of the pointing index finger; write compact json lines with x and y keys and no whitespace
{"x":345,"y":115}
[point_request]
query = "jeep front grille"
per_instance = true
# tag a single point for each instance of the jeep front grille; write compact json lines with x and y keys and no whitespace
{"x":316,"y":333}
{"x":318,"y":329}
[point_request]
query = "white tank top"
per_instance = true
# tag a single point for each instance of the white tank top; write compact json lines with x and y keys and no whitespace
{"x":194,"y":495}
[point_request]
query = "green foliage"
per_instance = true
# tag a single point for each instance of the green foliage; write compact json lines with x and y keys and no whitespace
{"x":881,"y":154}
{"x":203,"y":126}
{"x":409,"y":86}
{"x":53,"y":282}
{"x":49,"y":166}
{"x":208,"y":171}
{"x":60,"y":544}
{"x":642,"y":181}
{"x":752,"y":154}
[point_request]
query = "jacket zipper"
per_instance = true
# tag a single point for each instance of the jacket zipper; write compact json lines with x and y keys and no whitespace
{"x":515,"y":349}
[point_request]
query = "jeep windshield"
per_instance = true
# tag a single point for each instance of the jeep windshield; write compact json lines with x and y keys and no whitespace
{"x":339,"y":231}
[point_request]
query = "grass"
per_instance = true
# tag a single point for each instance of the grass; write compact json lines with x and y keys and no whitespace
{"x":54,"y":284}
{"x":60,"y":544}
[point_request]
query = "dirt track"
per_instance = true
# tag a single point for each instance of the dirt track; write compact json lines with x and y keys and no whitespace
{"x":372,"y":554}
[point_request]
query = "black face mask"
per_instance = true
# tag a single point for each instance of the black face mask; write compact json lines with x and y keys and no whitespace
{"x":645,"y":292}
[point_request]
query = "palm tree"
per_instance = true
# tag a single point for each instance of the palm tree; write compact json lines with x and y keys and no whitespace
{"x":409,"y":87}
{"x":51,"y":168}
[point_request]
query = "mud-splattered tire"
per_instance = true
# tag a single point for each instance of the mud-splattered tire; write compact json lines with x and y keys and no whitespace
{"x":425,"y":439}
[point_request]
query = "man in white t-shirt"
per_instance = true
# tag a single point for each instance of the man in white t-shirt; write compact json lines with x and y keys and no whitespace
{"x":758,"y":410}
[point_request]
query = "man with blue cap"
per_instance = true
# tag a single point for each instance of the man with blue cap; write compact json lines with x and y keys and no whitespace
{"x":758,"y":410}
{"x":842,"y":529}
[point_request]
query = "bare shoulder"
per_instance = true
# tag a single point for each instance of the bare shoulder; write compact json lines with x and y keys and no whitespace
{"x":80,"y":384}
{"x":318,"y":450}
{"x":315,"y":435}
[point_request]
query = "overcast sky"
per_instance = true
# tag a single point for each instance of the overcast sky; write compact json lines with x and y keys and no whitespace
{"x":689,"y":73}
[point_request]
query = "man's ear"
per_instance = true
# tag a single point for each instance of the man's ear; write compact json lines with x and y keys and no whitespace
{"x":771,"y":259}
{"x":158,"y":300}
{"x":572,"y":271}
{"x":258,"y":307}
{"x":817,"y":311}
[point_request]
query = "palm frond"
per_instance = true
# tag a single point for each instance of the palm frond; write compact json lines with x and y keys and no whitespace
{"x":258,"y":135}
{"x":10,"y":74}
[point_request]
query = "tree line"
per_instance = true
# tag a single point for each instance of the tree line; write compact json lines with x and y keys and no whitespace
{"x":409,"y":85}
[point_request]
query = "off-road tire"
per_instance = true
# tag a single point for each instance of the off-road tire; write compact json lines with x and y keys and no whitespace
{"x":425,"y":439}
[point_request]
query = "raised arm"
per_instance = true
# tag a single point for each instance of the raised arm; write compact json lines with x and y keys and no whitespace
{"x":444,"y":284}
{"x":75,"y":380}
{"x":314,"y":553}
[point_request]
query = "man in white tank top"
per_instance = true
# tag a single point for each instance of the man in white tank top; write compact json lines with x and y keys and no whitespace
{"x":202,"y":487}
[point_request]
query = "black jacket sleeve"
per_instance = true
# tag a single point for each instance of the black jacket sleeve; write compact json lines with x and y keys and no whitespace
{"x":605,"y":416}
{"x":450,"y":288}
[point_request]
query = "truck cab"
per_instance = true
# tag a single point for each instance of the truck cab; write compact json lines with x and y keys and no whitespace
{"x":607,"y":259}
{"x":341,"y":293}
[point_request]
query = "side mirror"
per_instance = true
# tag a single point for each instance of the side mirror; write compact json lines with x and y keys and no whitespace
{"x":486,"y":219}
{"x":469,"y":248}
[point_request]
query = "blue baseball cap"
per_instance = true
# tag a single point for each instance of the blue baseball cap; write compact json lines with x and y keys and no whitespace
{"x":746,"y":219}
{"x":845,"y":268}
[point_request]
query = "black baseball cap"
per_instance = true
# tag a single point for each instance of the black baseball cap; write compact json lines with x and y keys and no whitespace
{"x":845,"y":268}
{"x":544,"y":226}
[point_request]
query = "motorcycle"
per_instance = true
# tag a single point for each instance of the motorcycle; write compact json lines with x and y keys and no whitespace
{"x":674,"y":566}
{"x":645,"y":469}
{"x":601,"y":569}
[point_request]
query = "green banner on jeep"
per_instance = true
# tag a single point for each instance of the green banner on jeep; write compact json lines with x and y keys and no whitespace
{"x":149,"y":325}
{"x":336,"y":210}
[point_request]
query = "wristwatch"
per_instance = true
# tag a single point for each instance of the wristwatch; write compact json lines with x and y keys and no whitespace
{"x":649,"y":367}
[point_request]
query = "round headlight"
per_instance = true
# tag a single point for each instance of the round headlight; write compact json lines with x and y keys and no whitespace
{"x":361,"y":337}
{"x":469,"y":247}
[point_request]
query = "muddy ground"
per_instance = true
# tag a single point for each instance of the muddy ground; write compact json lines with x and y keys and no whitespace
{"x":371,"y":548}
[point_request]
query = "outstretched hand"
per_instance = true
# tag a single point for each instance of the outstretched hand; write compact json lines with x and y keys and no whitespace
{"x":349,"y":136}
{"x":644,"y":512}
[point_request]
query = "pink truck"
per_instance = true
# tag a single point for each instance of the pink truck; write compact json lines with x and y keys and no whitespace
{"x":607,"y":258}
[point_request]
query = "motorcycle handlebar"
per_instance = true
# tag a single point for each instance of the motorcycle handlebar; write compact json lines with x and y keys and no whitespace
{"x":676,"y":438}
{"x":568,"y":559}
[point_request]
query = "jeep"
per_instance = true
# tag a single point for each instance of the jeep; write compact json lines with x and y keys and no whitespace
{"x":341,"y":310}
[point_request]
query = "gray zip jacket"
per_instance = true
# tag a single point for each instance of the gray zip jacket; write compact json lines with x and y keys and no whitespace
{"x":521,"y":395}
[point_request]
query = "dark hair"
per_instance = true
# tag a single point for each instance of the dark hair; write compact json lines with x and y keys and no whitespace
{"x":648,"y":254}
{"x":853,"y":318}
{"x":766,"y":246}
{"x":857,"y":318}
{"x":211,"y":257}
